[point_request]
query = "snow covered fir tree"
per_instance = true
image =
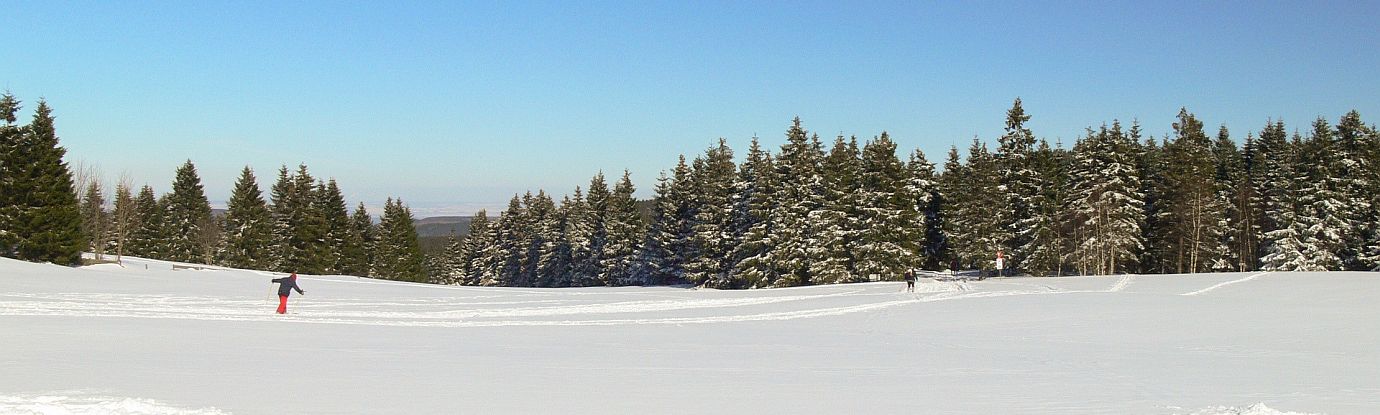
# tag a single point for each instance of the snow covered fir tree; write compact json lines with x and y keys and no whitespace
{"x":810,"y":212}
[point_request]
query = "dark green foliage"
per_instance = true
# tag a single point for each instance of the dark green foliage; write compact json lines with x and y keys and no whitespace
{"x":188,"y":218}
{"x":625,"y":230}
{"x":362,"y":238}
{"x":248,"y":227}
{"x":41,"y":218}
{"x":714,"y":179}
{"x":398,"y":256}
{"x":95,"y":221}
{"x":147,"y":232}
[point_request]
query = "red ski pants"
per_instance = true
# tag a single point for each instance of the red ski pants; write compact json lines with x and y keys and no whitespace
{"x":282,"y":304}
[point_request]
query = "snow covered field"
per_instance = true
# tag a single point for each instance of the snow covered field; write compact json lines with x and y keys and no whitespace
{"x":150,"y":339}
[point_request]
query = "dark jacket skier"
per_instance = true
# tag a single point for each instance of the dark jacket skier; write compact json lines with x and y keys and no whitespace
{"x":910,"y":280}
{"x":285,"y":287}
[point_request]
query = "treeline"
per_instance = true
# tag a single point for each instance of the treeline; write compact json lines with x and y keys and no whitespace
{"x":1117,"y":202}
{"x":808,"y":213}
{"x":304,"y":227}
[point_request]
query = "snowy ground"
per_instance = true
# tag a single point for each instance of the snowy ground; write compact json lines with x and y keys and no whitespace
{"x":150,"y":339}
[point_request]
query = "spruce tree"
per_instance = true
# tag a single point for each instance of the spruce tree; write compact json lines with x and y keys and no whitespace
{"x":340,"y":244}
{"x":1049,"y":243}
{"x":1287,"y":243}
{"x":248,"y":227}
{"x":95,"y":222}
{"x":1019,"y":183}
{"x":187,"y":216}
{"x":1325,"y":199}
{"x":361,"y":238}
{"x":1230,"y":172}
{"x":1357,"y":168}
{"x":953,"y":195}
{"x":592,"y":235}
{"x":510,"y":235}
{"x":472,"y":260}
{"x":122,"y":219}
{"x":754,"y":209}
{"x":669,"y":243}
{"x":147,"y":235}
{"x":1195,"y":213}
{"x":553,"y":268}
{"x":399,"y":256}
{"x":976,"y":224}
{"x":801,"y":196}
{"x":625,"y":231}
{"x":544,"y":229}
{"x":889,"y":241}
{"x":44,"y":216}
{"x":714,"y":179}
{"x":840,"y":216}
{"x":923,"y":188}
{"x":1105,"y":202}
{"x":11,"y":166}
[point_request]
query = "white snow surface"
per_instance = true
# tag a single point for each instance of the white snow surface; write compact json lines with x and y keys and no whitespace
{"x":145,"y":338}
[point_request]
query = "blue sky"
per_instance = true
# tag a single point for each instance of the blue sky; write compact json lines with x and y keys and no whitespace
{"x":455,"y":106}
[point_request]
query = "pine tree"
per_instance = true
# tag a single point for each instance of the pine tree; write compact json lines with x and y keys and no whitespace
{"x":625,"y":230}
{"x":248,"y":227}
{"x":1195,"y":213}
{"x":1050,"y":245}
{"x":472,"y":261}
{"x":975,"y":226}
{"x":12,"y":165}
{"x":544,"y":229}
{"x":399,"y":256}
{"x":340,"y":244}
{"x":840,"y":217}
{"x":147,"y":235}
{"x":1105,"y":202}
{"x":95,"y":222}
{"x":311,"y":232}
{"x":889,"y":241}
{"x":1230,"y":172}
{"x":801,"y":196}
{"x":1325,"y":200}
{"x":1019,"y":183}
{"x":122,"y":219}
{"x":1246,"y":232}
{"x":753,"y":212}
{"x":713,"y":180}
{"x":669,"y":243}
{"x":953,"y":194}
{"x":43,"y":216}
{"x":361,"y":238}
{"x":510,"y":238}
{"x":554,"y":265}
{"x":1287,"y":242}
{"x":591,"y":235}
{"x":188,"y":215}
{"x":1359,"y":169}
{"x":924,"y":191}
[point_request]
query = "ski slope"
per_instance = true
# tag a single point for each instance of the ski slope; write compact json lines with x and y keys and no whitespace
{"x":146,"y":338}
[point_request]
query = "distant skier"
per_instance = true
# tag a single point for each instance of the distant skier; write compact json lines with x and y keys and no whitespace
{"x":910,"y":280}
{"x":285,"y":287}
{"x":1001,"y":263}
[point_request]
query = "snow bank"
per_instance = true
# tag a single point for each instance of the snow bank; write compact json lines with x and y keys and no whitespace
{"x":1257,"y":409}
{"x":93,"y":405}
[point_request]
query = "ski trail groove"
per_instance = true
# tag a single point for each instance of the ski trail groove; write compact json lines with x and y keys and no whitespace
{"x":1223,"y":284}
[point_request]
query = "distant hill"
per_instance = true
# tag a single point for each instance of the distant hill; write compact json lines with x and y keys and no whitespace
{"x":443,"y":226}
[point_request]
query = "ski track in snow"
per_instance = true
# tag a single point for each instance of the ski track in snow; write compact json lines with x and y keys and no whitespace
{"x":1220,"y":285}
{"x":64,"y":404}
{"x":460,"y":312}
{"x":1121,"y":283}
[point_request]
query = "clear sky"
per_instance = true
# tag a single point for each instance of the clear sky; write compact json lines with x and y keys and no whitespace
{"x":455,"y":106}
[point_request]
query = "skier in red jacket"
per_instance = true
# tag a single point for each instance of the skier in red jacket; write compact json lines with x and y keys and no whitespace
{"x":285,"y":287}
